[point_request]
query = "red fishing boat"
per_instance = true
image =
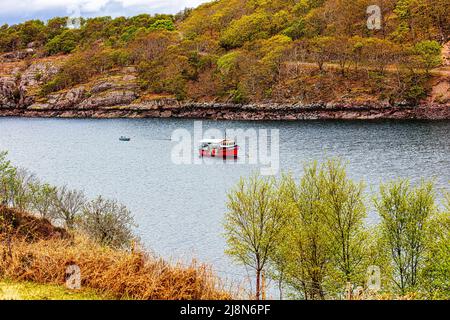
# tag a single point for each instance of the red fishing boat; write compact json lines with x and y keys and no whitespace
{"x":220,"y":148}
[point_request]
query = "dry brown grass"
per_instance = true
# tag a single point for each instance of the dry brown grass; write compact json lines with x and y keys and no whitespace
{"x":121,"y":274}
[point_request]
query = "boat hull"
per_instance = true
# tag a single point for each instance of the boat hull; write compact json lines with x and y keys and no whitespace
{"x":220,"y":153}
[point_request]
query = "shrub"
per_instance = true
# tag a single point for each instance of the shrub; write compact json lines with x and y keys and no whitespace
{"x":65,"y":42}
{"x":107,"y":222}
{"x":238,"y":96}
{"x":428,"y":54}
{"x":164,"y":24}
{"x":247,"y":28}
{"x":68,"y":206}
{"x":296,"y":30}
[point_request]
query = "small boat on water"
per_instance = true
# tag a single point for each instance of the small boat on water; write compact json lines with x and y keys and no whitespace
{"x":220,"y":148}
{"x":123,"y":138}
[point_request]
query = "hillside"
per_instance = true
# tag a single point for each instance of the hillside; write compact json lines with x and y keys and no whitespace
{"x":235,"y":59}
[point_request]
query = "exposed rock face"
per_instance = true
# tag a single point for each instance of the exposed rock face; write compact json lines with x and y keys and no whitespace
{"x":37,"y":73}
{"x":17,"y":55}
{"x":14,"y":89}
{"x":219,"y":111}
{"x":8,"y":92}
{"x":109,"y":99}
{"x":66,"y":100}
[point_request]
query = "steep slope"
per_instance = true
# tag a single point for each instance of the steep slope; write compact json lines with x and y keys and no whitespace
{"x":234,"y":59}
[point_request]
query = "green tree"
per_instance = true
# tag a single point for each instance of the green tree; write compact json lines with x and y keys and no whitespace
{"x":247,"y":28}
{"x":32,"y":30}
{"x":44,"y":197}
{"x":435,"y":275}
{"x":405,"y":213}
{"x":7,"y":179}
{"x":65,"y":42}
{"x":296,"y":30}
{"x":379,"y":53}
{"x":56,"y":26}
{"x":252,"y":225}
{"x":22,"y":189}
{"x":321,"y":50}
{"x":327,"y":244}
{"x":343,"y":215}
{"x":428,"y":54}
{"x":306,"y":252}
{"x":163,"y":25}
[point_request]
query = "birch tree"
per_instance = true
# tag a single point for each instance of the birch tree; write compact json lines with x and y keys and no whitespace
{"x":253,"y":223}
{"x":405,"y":213}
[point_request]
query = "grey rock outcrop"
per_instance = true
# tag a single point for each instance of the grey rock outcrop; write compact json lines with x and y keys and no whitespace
{"x":109,"y":99}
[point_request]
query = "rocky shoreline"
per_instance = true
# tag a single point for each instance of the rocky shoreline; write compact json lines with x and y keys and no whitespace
{"x":249,"y":112}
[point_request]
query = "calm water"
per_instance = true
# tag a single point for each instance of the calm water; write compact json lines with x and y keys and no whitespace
{"x":179,"y":208}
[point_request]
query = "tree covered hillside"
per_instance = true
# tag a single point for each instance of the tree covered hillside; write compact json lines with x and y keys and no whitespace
{"x":254,"y":50}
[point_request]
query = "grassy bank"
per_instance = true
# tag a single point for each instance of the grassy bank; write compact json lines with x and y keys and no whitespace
{"x":10,"y":290}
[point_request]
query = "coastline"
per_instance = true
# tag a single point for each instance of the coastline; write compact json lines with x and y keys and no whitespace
{"x":247,"y":112}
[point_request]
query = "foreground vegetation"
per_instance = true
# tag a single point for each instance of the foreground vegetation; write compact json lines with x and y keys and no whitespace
{"x":254,"y":50}
{"x":96,"y":236}
{"x":312,"y":237}
{"x":114,"y":273}
{"x":10,"y":290}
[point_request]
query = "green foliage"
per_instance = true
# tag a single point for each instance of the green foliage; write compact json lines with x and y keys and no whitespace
{"x":31,"y":31}
{"x":344,"y":215}
{"x":81,"y":66}
{"x":21,"y":191}
{"x":55,"y":27}
{"x":227,"y":62}
{"x":43,"y":198}
{"x":65,"y":42}
{"x":247,"y":28}
{"x":321,"y":50}
{"x":296,"y":30}
{"x":163,"y":25}
{"x":323,"y":244}
{"x":326,"y":244}
{"x":414,"y":87}
{"x":7,"y":179}
{"x":238,"y":96}
{"x":253,"y":223}
{"x":435,"y":275}
{"x":429,"y":54}
{"x":324,"y":32}
{"x":415,"y":93}
{"x":77,"y":69}
{"x":405,"y":213}
{"x":306,"y":260}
